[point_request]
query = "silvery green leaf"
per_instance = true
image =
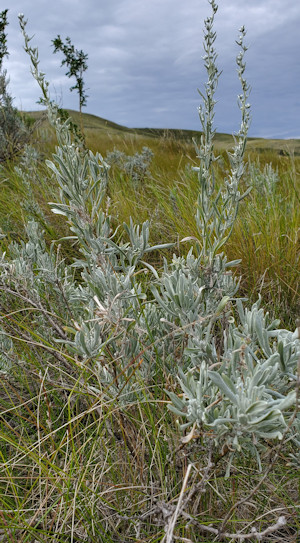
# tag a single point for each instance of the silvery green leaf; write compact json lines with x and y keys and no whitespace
{"x":176,"y":411}
{"x":58,"y":211}
{"x":288,"y":402}
{"x":225,"y":385}
{"x":219,"y":421}
{"x":263,"y":376}
{"x":188,"y":388}
{"x":151,"y":268}
{"x":271,"y":415}
{"x":222,"y":304}
{"x":161,"y":302}
{"x":232,"y":263}
{"x":241,"y":310}
{"x":272,"y":434}
{"x":160,"y":246}
{"x":256,"y":407}
{"x":274,"y":325}
{"x":189,"y":238}
{"x":245,"y":194}
{"x":280,"y":348}
{"x":176,"y":400}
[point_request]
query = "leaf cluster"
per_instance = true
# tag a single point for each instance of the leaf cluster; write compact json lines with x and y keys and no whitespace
{"x":3,"y":36}
{"x":76,"y":62}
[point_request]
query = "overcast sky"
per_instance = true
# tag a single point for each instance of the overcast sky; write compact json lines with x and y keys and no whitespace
{"x":145,"y":60}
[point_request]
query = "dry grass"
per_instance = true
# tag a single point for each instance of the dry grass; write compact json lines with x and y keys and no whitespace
{"x":77,"y":465}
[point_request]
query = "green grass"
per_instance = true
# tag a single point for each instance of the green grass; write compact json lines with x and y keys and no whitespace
{"x":77,"y":465}
{"x":94,"y":125}
{"x":265,"y":237}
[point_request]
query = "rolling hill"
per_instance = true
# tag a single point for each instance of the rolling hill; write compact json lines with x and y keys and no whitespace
{"x":98,"y":125}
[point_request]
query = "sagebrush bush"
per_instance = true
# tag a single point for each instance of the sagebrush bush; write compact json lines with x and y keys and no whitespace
{"x":14,"y":133}
{"x":94,"y":352}
{"x":136,"y":166}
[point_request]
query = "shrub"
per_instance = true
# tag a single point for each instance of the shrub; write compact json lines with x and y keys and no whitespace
{"x":13,"y":132}
{"x":135,"y":167}
{"x":95,"y":343}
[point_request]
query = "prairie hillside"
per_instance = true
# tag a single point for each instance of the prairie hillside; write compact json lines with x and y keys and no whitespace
{"x":149,"y":326}
{"x":265,"y":237}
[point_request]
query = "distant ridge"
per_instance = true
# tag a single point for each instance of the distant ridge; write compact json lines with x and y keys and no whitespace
{"x":93,"y":122}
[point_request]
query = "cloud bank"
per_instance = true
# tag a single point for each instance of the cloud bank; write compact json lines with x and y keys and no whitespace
{"x":145,"y":62}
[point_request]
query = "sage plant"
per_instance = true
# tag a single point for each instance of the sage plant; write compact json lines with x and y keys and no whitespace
{"x":135,"y":167}
{"x":93,"y":338}
{"x":217,"y":208}
{"x":241,"y":393}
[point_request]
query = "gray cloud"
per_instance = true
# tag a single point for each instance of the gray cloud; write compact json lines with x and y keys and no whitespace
{"x":145,"y":60}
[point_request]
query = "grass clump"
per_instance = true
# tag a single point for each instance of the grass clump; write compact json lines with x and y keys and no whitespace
{"x":142,"y":402}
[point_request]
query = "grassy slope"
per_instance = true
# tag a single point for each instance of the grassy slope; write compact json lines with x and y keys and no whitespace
{"x":265,"y":237}
{"x":74,"y":474}
{"x":94,"y":123}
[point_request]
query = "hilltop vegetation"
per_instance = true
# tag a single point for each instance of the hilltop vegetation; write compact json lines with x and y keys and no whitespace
{"x":94,"y":127}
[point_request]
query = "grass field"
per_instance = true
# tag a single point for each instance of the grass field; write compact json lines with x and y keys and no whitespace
{"x":266,"y":235}
{"x":83,"y":458}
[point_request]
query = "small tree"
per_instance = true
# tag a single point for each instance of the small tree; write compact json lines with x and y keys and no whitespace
{"x":76,"y":63}
{"x":3,"y":38}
